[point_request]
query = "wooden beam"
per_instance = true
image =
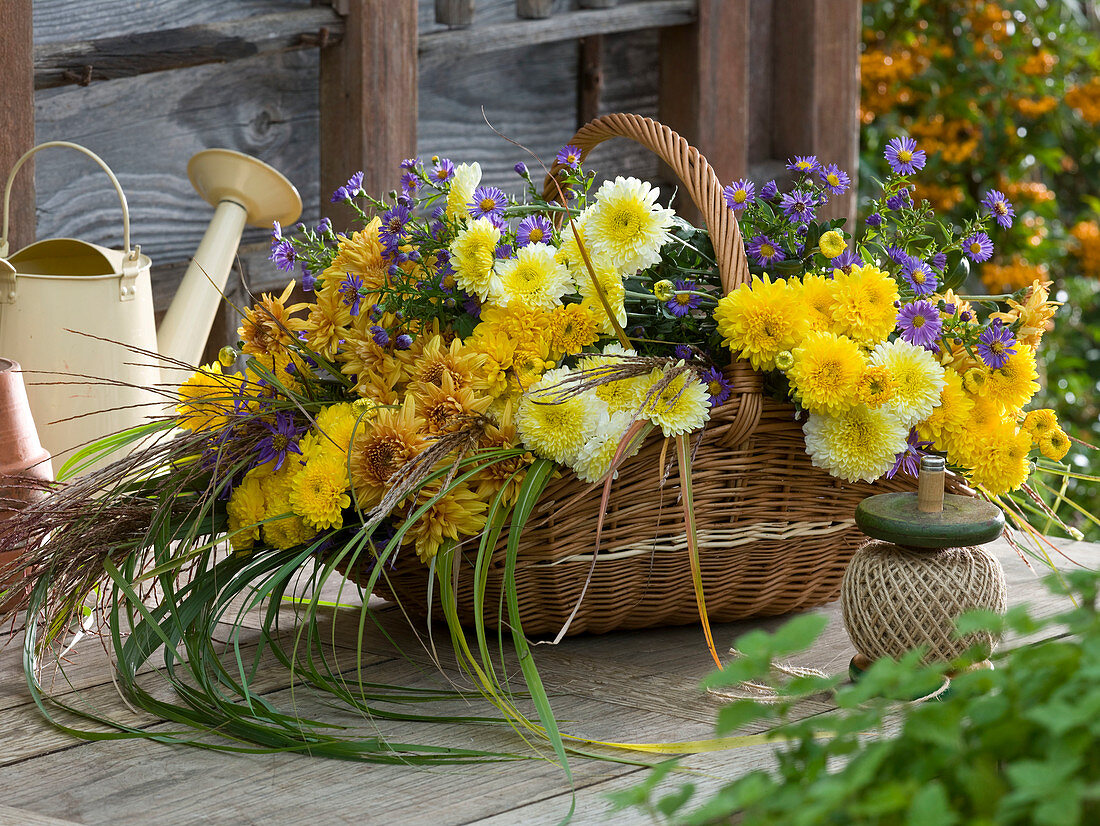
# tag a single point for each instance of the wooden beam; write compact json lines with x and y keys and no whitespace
{"x":589,"y":78}
{"x":816,"y":86}
{"x":369,"y":98}
{"x":17,"y":115}
{"x":83,"y":62}
{"x":704,"y":89}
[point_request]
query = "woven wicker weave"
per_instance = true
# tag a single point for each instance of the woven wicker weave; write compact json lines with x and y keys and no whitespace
{"x":775,"y":532}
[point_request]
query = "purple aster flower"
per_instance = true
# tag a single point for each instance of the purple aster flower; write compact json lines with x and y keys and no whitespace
{"x":996,"y":344}
{"x":683,"y":302}
{"x":798,"y":205}
{"x":874,"y":220}
{"x":349,"y":292}
{"x":899,"y":256}
{"x":392,"y":231}
{"x":534,"y":229}
{"x":403,"y":341}
{"x":308,"y":279}
{"x":764,"y":250}
{"x":949,"y":308}
{"x":439,"y":212}
{"x":284,"y":255}
{"x":569,"y":156}
{"x":920,"y":277}
{"x":805,"y":164}
{"x":682,"y":351}
{"x":409,"y":183}
{"x":965,"y":315}
{"x":899,"y":200}
{"x":999,"y":208}
{"x":325,"y":226}
{"x":835,"y":179}
{"x":410,"y":163}
{"x":769,"y":190}
{"x":488,"y":201}
{"x":739,"y":194}
{"x":717,"y":387}
{"x":978,"y":247}
{"x":472,"y":306}
{"x":846,"y":260}
{"x":919,"y":323}
{"x":939,"y":261}
{"x":283,"y":439}
{"x":380,"y":336}
{"x":504,"y":251}
{"x":443,"y":171}
{"x":904,"y":157}
{"x":354,"y":186}
{"x":276,"y":232}
{"x":909,"y":459}
{"x":521,"y":169}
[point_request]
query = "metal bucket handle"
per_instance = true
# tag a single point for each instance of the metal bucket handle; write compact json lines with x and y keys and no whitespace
{"x":131,"y":253}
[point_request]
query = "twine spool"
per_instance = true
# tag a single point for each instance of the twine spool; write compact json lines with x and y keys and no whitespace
{"x":895,"y":599}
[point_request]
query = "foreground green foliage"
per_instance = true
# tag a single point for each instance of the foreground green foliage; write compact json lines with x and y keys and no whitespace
{"x":1016,"y":745}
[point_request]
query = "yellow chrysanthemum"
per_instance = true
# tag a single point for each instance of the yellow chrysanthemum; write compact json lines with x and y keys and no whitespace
{"x":319,"y":492}
{"x":359,"y":254}
{"x":964,"y":444}
{"x":976,"y":380}
{"x":518,"y":324}
{"x":1038,"y":423}
{"x":1013,"y":385}
{"x":627,"y":225}
{"x":553,"y":427}
{"x":760,"y":320}
{"x":446,"y":407}
{"x":680,"y":406}
{"x":328,"y":321}
{"x":285,"y":528}
{"x":207,"y":398}
{"x":506,"y":473}
{"x":858,"y":444}
{"x":826,"y":372}
{"x":529,"y":362}
{"x":611,"y":283}
{"x":466,"y":178}
{"x":462,"y":363}
{"x":875,"y":387}
{"x":360,"y":356}
{"x":269,"y":325}
{"x":832,"y":244}
{"x":1033,"y":315}
{"x":534,"y":278}
{"x":1054,"y":444}
{"x":619,"y":395}
{"x":460,"y":512}
{"x":333,"y":433}
{"x":246,"y":510}
{"x":599,"y":451}
{"x":952,"y":415}
{"x":1000,"y":463}
{"x":382,"y":448}
{"x":473,"y":253}
{"x":919,"y":378}
{"x":863,"y":304}
{"x":817,"y":301}
{"x":497,"y":349}
{"x":572,"y":328}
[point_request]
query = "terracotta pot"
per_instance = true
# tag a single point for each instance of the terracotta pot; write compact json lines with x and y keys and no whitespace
{"x":23,"y":462}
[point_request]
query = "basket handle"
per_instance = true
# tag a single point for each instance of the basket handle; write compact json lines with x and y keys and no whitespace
{"x":131,"y":254}
{"x":738,"y":417}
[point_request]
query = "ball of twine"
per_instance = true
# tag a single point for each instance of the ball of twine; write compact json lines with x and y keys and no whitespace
{"x":895,"y":599}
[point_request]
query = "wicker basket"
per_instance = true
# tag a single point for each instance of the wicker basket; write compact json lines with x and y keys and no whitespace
{"x":775,"y":532}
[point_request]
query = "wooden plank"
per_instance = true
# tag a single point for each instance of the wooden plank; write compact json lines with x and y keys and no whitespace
{"x":110,"y":58}
{"x":369,"y":97}
{"x":17,"y":116}
{"x":23,"y":817}
{"x":442,"y":46}
{"x":589,"y":78}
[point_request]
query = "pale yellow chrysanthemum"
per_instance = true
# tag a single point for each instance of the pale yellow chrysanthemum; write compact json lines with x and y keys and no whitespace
{"x":920,"y":379}
{"x":466,"y":179}
{"x":206,"y":399}
{"x":952,"y":415}
{"x":758,"y":321}
{"x":284,"y":529}
{"x":832,"y":244}
{"x":1054,"y":444}
{"x":1000,"y":463}
{"x":573,"y":327}
{"x":553,"y":427}
{"x":622,"y":394}
{"x":875,"y":387}
{"x":245,"y":510}
{"x":569,"y":253}
{"x":529,"y":362}
{"x":599,"y":451}
{"x":319,"y":492}
{"x":534,"y":278}
{"x":611,"y":283}
{"x":473,"y":253}
{"x":1013,"y":385}
{"x":1039,"y":423}
{"x":826,"y":372}
{"x":627,"y":225}
{"x":681,"y":406}
{"x":382,"y":448}
{"x":817,"y":301}
{"x":1033,"y":315}
{"x":863,"y":304}
{"x":456,"y":514}
{"x":859,"y":444}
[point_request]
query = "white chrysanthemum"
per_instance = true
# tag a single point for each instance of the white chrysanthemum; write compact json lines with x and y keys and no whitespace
{"x":596,"y":456}
{"x":627,"y":225}
{"x":466,"y":178}
{"x":612,"y":285}
{"x":858,"y":444}
{"x":534,"y":278}
{"x":555,"y":428}
{"x":569,"y":253}
{"x":919,"y":377}
{"x":473,"y":253}
{"x":682,"y":406}
{"x":622,"y":394}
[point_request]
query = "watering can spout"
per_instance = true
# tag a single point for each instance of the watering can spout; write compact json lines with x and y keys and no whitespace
{"x":242,"y":190}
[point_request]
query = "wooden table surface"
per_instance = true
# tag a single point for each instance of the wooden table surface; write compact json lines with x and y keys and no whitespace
{"x":627,"y":687}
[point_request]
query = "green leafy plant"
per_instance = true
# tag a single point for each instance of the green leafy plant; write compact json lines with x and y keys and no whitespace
{"x":1019,"y":744}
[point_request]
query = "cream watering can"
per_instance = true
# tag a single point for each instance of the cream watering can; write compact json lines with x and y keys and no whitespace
{"x":82,"y":388}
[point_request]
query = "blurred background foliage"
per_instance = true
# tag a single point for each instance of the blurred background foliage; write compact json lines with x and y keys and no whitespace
{"x":1007,"y":96}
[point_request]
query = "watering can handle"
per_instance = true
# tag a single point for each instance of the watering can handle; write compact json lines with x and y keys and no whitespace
{"x":131,"y":254}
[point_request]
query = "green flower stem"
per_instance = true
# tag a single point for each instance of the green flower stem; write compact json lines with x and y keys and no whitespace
{"x":1001,"y":297}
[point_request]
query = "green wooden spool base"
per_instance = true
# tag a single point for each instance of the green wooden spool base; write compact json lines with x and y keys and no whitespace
{"x":965,"y":521}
